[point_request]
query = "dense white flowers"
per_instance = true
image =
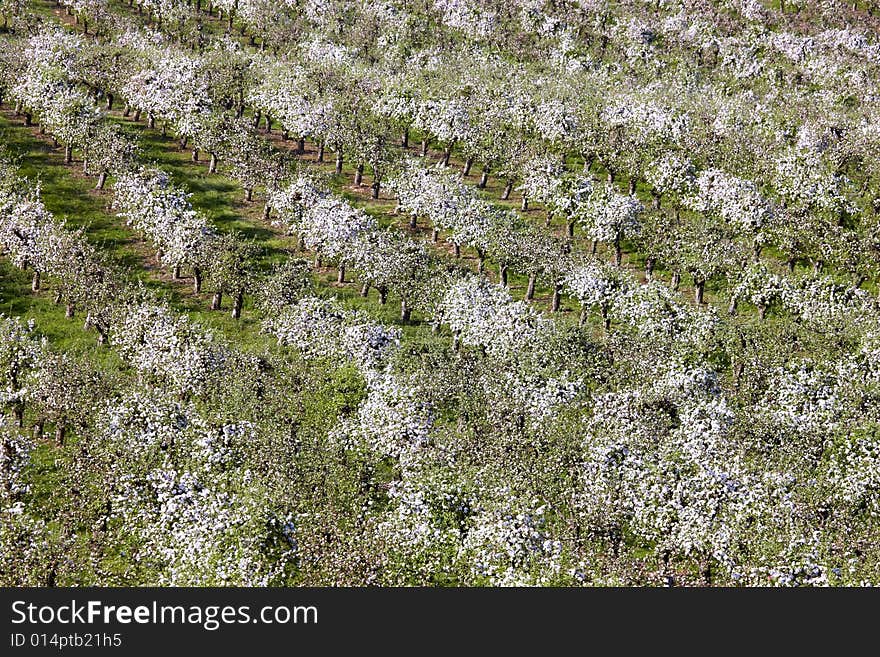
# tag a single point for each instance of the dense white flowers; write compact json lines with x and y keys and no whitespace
{"x":391,"y":420}
{"x":151,"y":204}
{"x":596,"y":285}
{"x":671,"y":173}
{"x":509,"y":545}
{"x":804,"y":399}
{"x":484,"y":315}
{"x":168,"y":346}
{"x":736,"y":201}
{"x":608,"y":216}
{"x":324,"y":329}
{"x":198,"y":534}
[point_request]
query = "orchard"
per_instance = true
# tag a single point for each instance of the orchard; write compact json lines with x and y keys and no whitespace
{"x":444,"y":293}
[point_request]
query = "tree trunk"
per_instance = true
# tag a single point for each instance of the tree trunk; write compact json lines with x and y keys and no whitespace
{"x":109,"y":102}
{"x":606,"y":320}
{"x":69,"y":311}
{"x":217,"y":300}
{"x":762,"y":312}
{"x":731,"y":307}
{"x":383,"y":295}
{"x":424,"y":152}
{"x":447,"y":152}
{"x":404,"y":141}
{"x":195,"y":155}
{"x":507,"y":189}
{"x":68,"y":154}
{"x":649,"y":268}
{"x":582,"y":318}
{"x":60,"y":432}
{"x":339,"y":158}
{"x":457,"y":248}
{"x":318,"y":261}
{"x":502,"y":275}
{"x":676,"y":281}
{"x":468,"y":163}
{"x":632,"y":185}
{"x":248,"y":194}
{"x":481,"y":261}
{"x":151,"y":121}
{"x":183,"y":142}
{"x":405,"y":311}
{"x":618,"y":252}
{"x":137,"y":116}
{"x":237,"y":304}
{"x":484,"y":179}
{"x":365,"y":289}
{"x":359,"y":175}
{"x":102,"y":178}
{"x":375,"y":190}
{"x":525,"y":204}
{"x":340,"y":278}
{"x":699,"y":287}
{"x":257,"y":116}
{"x":267,"y":211}
{"x":557,"y":297}
{"x":412,"y":222}
{"x":321,"y":152}
{"x":102,"y":334}
{"x":197,"y":280}
{"x":530,"y":289}
{"x":435,"y":235}
{"x":35,"y":282}
{"x":300,"y":146}
{"x":212,"y":166}
{"x":175,"y":274}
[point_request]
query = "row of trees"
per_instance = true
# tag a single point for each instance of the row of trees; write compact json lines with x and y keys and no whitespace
{"x":684,"y":443}
{"x":308,"y":100}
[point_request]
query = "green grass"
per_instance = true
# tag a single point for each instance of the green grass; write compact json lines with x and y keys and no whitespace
{"x":67,"y":194}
